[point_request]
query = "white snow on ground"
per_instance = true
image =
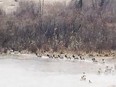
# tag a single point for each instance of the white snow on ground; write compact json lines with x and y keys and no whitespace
{"x":51,"y":73}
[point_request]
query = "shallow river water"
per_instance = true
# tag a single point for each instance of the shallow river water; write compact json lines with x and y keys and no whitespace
{"x":52,"y":73}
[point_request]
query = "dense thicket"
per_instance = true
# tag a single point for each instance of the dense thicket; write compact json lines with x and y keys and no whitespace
{"x":60,"y":26}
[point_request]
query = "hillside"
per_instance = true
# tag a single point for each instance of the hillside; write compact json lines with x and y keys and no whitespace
{"x":79,"y":26}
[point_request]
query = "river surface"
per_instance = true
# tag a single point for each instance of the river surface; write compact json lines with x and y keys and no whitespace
{"x":36,"y":72}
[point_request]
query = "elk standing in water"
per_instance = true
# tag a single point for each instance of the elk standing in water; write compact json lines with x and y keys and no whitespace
{"x":94,"y":60}
{"x":90,"y":81}
{"x":103,"y":61}
{"x":75,"y":57}
{"x":83,"y":77}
